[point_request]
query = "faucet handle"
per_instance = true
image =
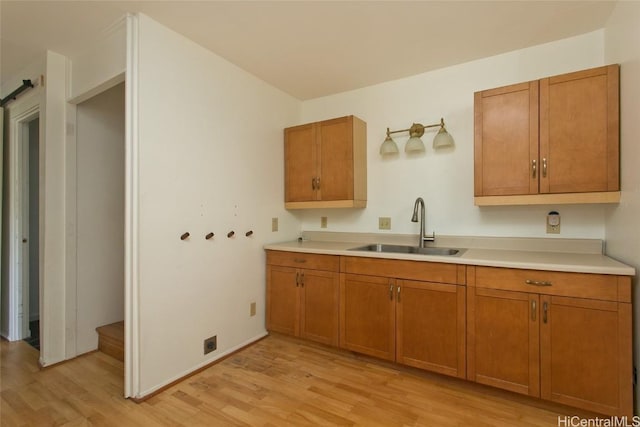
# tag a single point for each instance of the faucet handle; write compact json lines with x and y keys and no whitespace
{"x":431,"y":238}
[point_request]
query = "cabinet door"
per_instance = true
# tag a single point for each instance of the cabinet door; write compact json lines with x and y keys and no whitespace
{"x":503,"y":339}
{"x":319,"y":306}
{"x":300,"y":163}
{"x":506,"y":140}
{"x":430,"y":326}
{"x":586,"y":354}
{"x":336,"y":159}
{"x":579,"y":132}
{"x":367,"y":315}
{"x":282,"y":300}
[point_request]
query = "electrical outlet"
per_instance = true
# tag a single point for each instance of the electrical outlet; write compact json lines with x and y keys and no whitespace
{"x":323,"y":222}
{"x":384,"y":223}
{"x":210,"y":344}
{"x":553,"y":223}
{"x":274,"y":224}
{"x":252,"y":309}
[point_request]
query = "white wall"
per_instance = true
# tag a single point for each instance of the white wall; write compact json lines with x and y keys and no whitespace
{"x":210,"y":156}
{"x":622,"y":45}
{"x":445,"y":179}
{"x":100,"y":214}
{"x":54,"y":333}
{"x":100,"y":67}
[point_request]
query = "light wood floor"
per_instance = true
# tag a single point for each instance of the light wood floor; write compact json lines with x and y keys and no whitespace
{"x":277,"y":381}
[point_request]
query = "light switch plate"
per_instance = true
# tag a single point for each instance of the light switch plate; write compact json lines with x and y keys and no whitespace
{"x":274,"y":224}
{"x":384,"y":223}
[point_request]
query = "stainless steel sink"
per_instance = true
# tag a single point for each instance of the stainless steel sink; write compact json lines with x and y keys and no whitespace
{"x":400,"y":249}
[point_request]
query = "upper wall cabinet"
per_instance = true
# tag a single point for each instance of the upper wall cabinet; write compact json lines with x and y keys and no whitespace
{"x":326,"y":164}
{"x":554,"y":140}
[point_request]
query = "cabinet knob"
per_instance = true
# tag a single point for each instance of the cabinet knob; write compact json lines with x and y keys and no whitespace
{"x":534,"y":168}
{"x":184,"y":236}
{"x":208,"y":236}
{"x":544,"y":167}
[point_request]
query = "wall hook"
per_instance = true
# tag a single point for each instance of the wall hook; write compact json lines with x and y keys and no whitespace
{"x":248,"y":233}
{"x":208,"y":236}
{"x":185,"y":236}
{"x":230,"y":234}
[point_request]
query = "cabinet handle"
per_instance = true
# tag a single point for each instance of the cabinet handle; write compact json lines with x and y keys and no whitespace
{"x":537,"y":283}
{"x":544,"y":167}
{"x":313,"y":183}
{"x":318,"y":183}
{"x":302,"y":280}
{"x":533,"y":310}
{"x":297,"y":279}
{"x":534,"y":168}
{"x":544,"y":312}
{"x":398,"y":294}
{"x":299,"y":260}
{"x":391,"y":291}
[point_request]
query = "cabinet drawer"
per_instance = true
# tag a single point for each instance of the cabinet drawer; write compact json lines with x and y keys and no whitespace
{"x":304,"y":260}
{"x":582,"y":285}
{"x":401,"y":269}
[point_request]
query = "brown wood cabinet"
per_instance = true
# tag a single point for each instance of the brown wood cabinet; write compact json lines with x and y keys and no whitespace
{"x":303,"y":301}
{"x":554,"y":140}
{"x":326,"y":164}
{"x":387,"y":314}
{"x":564,"y":337}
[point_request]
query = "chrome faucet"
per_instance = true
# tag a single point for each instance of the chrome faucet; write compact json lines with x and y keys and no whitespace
{"x":420,"y":203}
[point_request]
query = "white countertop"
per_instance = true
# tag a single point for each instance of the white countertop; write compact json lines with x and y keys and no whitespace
{"x":534,"y":260}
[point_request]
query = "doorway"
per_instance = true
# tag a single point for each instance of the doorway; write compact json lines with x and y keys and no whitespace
{"x":21,"y":223}
{"x":31,"y":212}
{"x":99,"y":206}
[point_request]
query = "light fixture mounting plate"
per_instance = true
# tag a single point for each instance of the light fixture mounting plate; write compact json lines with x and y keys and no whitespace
{"x":416,"y":129}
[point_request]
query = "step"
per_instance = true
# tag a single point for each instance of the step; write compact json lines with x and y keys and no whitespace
{"x":111,"y":340}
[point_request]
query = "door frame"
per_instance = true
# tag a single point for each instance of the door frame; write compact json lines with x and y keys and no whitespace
{"x":21,"y":112}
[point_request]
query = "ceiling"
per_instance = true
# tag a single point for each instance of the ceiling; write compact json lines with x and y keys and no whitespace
{"x":309,"y":48}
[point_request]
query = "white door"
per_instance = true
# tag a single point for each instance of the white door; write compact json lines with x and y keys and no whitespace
{"x":3,"y":307}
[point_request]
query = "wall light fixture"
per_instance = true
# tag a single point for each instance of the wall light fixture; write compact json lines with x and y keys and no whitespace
{"x":415,"y":144}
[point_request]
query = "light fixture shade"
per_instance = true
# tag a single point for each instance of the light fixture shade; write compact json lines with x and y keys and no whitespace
{"x":389,"y":146}
{"x":414,"y":145}
{"x":442,"y":139}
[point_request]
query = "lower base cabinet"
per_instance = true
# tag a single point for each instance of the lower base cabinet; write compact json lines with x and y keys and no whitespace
{"x":562,"y":337}
{"x":303,"y":301}
{"x":417,"y":323}
{"x":569,"y":350}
